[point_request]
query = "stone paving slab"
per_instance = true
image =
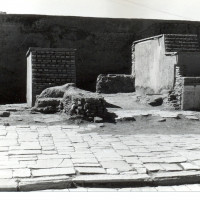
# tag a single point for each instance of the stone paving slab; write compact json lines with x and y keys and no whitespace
{"x":35,"y":157}
{"x":43,"y":183}
{"x":131,"y":114}
{"x":102,"y":179}
{"x":8,"y":185}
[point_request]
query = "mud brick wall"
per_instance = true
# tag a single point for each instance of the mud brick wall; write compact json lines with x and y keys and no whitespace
{"x":51,"y":67}
{"x":115,"y":83}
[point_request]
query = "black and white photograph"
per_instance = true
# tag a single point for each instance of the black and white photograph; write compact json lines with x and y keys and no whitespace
{"x":99,"y":96}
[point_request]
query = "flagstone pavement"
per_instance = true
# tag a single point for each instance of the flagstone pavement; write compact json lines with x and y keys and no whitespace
{"x":36,"y":157}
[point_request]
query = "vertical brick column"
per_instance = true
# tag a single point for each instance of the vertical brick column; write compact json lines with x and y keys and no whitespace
{"x":49,"y":67}
{"x":175,"y":96}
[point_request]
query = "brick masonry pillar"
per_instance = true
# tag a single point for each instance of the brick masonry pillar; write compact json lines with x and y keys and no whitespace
{"x":48,"y":67}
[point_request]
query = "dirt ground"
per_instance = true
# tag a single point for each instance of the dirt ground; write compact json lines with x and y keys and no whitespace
{"x":20,"y":114}
{"x":150,"y":125}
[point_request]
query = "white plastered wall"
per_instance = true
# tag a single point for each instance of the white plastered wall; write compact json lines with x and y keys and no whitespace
{"x":29,"y":81}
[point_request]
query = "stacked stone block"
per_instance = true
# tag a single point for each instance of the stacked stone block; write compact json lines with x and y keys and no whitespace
{"x":115,"y":83}
{"x":71,"y":100}
{"x":87,"y":107}
{"x":51,"y":67}
{"x":48,"y":105}
{"x":175,"y":96}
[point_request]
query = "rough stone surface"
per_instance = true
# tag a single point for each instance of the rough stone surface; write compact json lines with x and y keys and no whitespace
{"x":161,"y":120}
{"x":156,"y":101}
{"x":175,"y":96}
{"x":98,"y":120}
{"x":119,"y":165}
{"x":84,"y":103}
{"x":72,"y":101}
{"x":115,"y":83}
{"x":110,"y":178}
{"x":186,"y":90}
{"x":53,"y":182}
{"x":181,"y":177}
{"x":48,"y":105}
{"x":21,"y":173}
{"x":171,"y":167}
{"x":5,"y":114}
{"x":53,"y":171}
{"x":189,"y":166}
{"x":8,"y":185}
{"x":55,"y":92}
{"x":90,"y":170}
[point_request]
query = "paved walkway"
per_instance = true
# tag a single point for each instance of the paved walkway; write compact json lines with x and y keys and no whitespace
{"x":62,"y":156}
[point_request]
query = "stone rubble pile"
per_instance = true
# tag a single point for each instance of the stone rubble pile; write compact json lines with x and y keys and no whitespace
{"x":48,"y":105}
{"x":74,"y":102}
{"x":88,"y":107}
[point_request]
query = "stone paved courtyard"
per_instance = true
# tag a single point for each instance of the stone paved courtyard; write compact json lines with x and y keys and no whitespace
{"x":41,"y":152}
{"x":33,"y":154}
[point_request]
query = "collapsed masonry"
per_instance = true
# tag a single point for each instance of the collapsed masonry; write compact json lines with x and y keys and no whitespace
{"x":115,"y":83}
{"x":169,"y":64}
{"x":47,"y":67}
{"x":71,"y":100}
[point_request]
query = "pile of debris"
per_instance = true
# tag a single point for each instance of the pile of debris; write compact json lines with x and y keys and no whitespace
{"x":72,"y":101}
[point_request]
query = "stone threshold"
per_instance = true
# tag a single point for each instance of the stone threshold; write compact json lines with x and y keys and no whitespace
{"x":101,"y":181}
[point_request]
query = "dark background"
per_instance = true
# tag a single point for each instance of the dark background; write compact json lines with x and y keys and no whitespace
{"x":103,"y":45}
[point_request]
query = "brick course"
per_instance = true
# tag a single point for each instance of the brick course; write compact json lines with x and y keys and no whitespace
{"x":51,"y":67}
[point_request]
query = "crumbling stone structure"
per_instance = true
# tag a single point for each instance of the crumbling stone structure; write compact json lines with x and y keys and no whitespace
{"x":169,"y":64}
{"x":71,"y":100}
{"x":115,"y":83}
{"x":175,"y":95}
{"x":84,"y":103}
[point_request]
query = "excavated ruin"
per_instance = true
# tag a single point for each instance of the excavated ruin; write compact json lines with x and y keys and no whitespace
{"x":71,"y":100}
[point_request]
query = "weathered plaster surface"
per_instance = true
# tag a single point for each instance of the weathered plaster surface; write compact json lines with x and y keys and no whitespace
{"x":154,"y":70}
{"x":29,"y":81}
